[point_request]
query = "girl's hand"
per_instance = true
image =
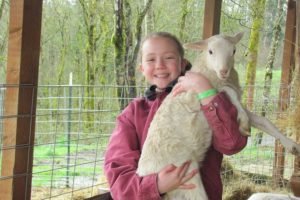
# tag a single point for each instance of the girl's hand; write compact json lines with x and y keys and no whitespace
{"x":172,"y":177}
{"x":191,"y":81}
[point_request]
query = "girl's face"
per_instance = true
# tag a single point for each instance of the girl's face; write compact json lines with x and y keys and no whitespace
{"x":161,"y":61}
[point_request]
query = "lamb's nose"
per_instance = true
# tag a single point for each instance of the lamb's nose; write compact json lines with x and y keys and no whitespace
{"x":223,"y":71}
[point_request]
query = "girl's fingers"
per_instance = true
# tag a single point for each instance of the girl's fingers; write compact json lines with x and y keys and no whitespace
{"x":183,"y":169}
{"x":181,"y":78}
{"x":177,"y":90}
{"x":189,"y":175}
{"x":169,"y":168}
{"x":187,"y":186}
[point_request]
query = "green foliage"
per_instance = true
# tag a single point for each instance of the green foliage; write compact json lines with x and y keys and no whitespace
{"x":4,"y":15}
{"x":65,"y":33}
{"x":257,"y":10}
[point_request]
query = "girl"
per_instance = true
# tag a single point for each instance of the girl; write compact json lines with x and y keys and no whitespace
{"x":162,"y":63}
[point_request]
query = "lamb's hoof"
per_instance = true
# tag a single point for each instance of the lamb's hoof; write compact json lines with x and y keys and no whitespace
{"x":291,"y":146}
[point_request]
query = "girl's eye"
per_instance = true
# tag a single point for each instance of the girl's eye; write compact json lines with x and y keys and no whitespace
{"x":170,"y":57}
{"x":150,"y":60}
{"x":210,"y":52}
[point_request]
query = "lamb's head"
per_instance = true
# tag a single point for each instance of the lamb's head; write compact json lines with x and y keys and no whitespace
{"x":218,"y":53}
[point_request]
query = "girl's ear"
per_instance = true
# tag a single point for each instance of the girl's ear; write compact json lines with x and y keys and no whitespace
{"x":140,"y":68}
{"x":184,"y":63}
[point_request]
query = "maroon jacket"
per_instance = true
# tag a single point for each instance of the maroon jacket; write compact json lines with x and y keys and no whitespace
{"x":126,"y":142}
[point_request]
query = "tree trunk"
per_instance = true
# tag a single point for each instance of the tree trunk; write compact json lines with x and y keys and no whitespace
{"x":125,"y":51}
{"x":5,"y":34}
{"x":296,"y":89}
{"x":184,"y":13}
{"x":118,"y":40}
{"x":130,"y":74}
{"x":63,"y":48}
{"x":258,"y":8}
{"x":131,"y":62}
{"x":269,"y":66}
{"x":101,"y":70}
{"x":89,"y":9}
{"x":2,"y":4}
{"x":149,"y":19}
{"x":284,"y":90}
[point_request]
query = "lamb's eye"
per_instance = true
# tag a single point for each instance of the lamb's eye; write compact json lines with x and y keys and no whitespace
{"x":210,"y":52}
{"x":233,"y":51}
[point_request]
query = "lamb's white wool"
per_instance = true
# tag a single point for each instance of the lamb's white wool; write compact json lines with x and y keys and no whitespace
{"x":179,"y":130}
{"x":271,"y":196}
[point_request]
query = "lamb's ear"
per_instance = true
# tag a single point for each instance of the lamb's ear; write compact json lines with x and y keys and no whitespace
{"x":237,"y":37}
{"x":200,"y":45}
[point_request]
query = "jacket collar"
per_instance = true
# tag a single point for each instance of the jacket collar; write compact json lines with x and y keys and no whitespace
{"x":151,"y":92}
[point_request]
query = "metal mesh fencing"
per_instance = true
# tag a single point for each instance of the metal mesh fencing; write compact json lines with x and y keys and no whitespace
{"x":72,"y":131}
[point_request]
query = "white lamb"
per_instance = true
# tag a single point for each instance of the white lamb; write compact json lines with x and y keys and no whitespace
{"x":271,"y":196}
{"x":179,"y":130}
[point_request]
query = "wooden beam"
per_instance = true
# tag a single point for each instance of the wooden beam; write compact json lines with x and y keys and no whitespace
{"x":297,"y":73}
{"x":286,"y":77}
{"x":105,"y":196}
{"x":212,"y":18}
{"x":20,"y":98}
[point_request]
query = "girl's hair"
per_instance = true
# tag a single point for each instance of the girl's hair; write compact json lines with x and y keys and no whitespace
{"x":164,"y":35}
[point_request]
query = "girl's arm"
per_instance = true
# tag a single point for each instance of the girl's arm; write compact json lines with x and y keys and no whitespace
{"x":219,"y":111}
{"x":222,"y":118}
{"x":120,"y":165}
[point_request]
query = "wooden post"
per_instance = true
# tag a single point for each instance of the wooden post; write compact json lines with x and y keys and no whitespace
{"x":297,"y":66}
{"x":20,"y":98}
{"x":212,"y":18}
{"x":287,"y":65}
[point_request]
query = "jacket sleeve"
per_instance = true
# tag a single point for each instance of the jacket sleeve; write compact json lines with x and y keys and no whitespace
{"x":221,"y":115}
{"x":120,"y":164}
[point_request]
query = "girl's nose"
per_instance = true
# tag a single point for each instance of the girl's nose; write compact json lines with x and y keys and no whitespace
{"x":160,"y":63}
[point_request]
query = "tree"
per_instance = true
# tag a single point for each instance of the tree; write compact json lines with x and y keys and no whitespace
{"x":90,"y":10}
{"x":184,"y":13}
{"x":102,"y":70}
{"x":118,"y":41}
{"x":270,"y":64}
{"x":149,"y":20}
{"x":2,"y":4}
{"x":3,"y":36}
{"x":125,"y":51}
{"x":63,"y":32}
{"x":257,"y":8}
{"x":295,"y":107}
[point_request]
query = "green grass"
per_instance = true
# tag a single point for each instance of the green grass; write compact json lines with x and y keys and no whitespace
{"x":50,"y":162}
{"x":47,"y":175}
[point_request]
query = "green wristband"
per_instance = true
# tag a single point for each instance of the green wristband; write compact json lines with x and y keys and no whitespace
{"x":207,"y":93}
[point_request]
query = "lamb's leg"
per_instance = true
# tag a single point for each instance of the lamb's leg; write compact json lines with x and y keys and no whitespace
{"x":269,"y":196}
{"x":243,"y":119}
{"x":268,"y":127}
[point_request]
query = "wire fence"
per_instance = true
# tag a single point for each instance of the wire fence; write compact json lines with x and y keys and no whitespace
{"x":72,"y":132}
